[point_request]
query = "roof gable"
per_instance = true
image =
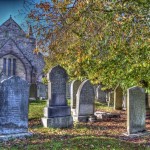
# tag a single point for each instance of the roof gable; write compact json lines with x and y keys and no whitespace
{"x":11,"y":25}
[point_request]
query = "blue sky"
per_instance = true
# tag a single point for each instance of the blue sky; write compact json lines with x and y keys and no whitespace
{"x":10,"y":7}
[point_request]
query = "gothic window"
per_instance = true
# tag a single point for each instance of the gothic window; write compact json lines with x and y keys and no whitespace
{"x":14,"y":67}
{"x":9,"y":67}
{"x":4,"y":65}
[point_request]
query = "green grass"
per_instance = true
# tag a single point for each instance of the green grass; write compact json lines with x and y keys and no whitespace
{"x":79,"y":143}
{"x":103,"y":107}
{"x":81,"y":137}
{"x":36,"y":109}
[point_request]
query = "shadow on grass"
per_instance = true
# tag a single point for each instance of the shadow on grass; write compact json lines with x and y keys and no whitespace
{"x":68,"y":142}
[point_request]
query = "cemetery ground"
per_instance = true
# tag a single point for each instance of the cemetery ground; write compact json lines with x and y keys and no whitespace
{"x":106,"y":134}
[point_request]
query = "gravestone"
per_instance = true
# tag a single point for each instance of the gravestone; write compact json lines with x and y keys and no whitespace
{"x":57,"y":114}
{"x":106,"y":115}
{"x":33,"y":91}
{"x":14,"y":95}
{"x":110,"y":98}
{"x":74,"y":87}
{"x":136,"y":110}
{"x":42,"y":92}
{"x":100,"y":94}
{"x":118,"y":96}
{"x":85,"y":102}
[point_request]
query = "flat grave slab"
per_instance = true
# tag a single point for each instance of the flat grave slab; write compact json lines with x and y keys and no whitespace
{"x":106,"y":115}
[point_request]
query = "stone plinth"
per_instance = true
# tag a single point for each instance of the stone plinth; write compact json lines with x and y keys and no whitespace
{"x":58,"y":122}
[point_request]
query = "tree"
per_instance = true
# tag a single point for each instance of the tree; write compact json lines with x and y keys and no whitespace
{"x":105,"y":41}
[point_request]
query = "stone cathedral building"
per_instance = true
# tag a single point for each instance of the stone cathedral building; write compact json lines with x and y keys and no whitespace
{"x":16,"y":53}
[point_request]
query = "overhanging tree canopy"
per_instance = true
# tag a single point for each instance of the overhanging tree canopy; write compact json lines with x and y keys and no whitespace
{"x":105,"y":41}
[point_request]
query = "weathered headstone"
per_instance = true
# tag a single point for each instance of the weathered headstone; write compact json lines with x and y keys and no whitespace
{"x":33,"y":92}
{"x":110,"y":98}
{"x":14,"y":95}
{"x":42,"y":92}
{"x":100,"y":94}
{"x":57,"y":114}
{"x":74,"y":87}
{"x":118,"y":96}
{"x":85,"y":102}
{"x":136,"y":110}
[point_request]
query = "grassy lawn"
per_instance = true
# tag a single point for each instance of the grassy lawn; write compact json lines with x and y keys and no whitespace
{"x":103,"y":135}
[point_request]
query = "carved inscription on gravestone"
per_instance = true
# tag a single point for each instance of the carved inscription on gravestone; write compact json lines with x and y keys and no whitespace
{"x":58,"y":78}
{"x":14,"y":94}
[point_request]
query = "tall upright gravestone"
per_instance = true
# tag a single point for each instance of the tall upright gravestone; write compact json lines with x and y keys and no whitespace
{"x":118,"y":98}
{"x":57,"y":114}
{"x":85,"y":102}
{"x":100,"y":94}
{"x":33,"y":91}
{"x":136,"y":110}
{"x":42,"y":91}
{"x":74,"y":87}
{"x":14,"y":95}
{"x":110,"y":98}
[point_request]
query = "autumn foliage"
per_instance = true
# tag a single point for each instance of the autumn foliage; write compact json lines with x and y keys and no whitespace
{"x":105,"y":41}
